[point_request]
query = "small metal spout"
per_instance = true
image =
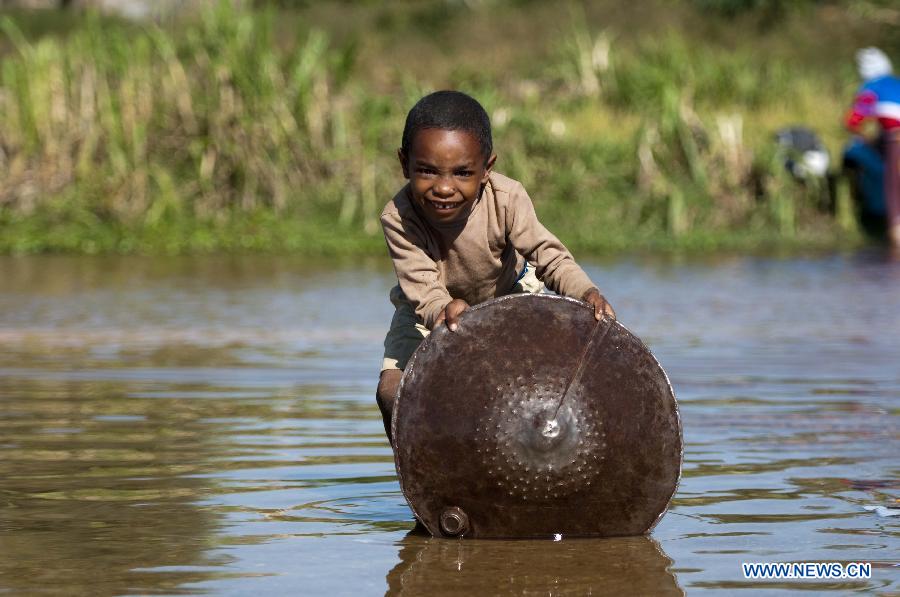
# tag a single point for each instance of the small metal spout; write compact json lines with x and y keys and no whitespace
{"x":454,"y":522}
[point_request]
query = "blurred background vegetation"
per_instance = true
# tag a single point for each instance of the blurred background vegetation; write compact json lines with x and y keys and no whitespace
{"x":273,"y":126}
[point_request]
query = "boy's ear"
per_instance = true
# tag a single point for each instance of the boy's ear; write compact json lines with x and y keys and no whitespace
{"x":404,"y":162}
{"x":488,"y":167}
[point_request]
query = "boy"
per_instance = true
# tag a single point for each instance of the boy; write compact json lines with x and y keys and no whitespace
{"x":459,"y":233}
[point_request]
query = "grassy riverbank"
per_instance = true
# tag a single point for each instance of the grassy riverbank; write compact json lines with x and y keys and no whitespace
{"x":646,"y":127}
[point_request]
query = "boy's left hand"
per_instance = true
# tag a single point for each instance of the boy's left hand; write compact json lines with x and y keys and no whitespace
{"x":600,"y":304}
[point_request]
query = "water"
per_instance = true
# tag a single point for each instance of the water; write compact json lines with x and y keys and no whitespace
{"x":196,"y":425}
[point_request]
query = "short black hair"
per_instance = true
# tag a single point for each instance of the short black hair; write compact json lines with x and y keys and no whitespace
{"x":452,"y":111}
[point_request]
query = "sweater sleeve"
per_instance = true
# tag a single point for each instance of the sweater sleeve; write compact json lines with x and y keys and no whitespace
{"x":554,"y":265}
{"x":417,"y":272}
{"x":863,"y":107}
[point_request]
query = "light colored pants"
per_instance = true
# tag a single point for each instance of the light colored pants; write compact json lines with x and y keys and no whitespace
{"x":406,"y":333}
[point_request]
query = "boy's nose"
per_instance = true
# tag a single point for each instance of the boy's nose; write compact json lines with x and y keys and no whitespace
{"x":444,"y":188}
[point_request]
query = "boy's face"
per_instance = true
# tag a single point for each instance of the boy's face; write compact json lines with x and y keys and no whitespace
{"x":445,"y":170}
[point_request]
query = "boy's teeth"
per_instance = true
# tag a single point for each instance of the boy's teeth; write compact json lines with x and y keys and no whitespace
{"x":444,"y":205}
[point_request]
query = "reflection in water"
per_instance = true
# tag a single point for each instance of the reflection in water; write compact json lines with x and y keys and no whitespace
{"x":90,"y":500}
{"x":621,"y":566}
{"x":208,"y":424}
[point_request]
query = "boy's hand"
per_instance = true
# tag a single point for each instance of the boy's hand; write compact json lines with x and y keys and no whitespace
{"x":600,"y":304}
{"x":451,"y":313}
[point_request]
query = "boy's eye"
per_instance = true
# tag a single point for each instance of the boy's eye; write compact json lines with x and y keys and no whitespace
{"x":464,"y":173}
{"x":426,"y":170}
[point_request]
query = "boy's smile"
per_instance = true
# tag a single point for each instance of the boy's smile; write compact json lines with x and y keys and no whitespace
{"x":446,"y":169}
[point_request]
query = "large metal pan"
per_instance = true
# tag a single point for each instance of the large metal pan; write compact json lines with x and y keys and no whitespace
{"x":487,"y":444}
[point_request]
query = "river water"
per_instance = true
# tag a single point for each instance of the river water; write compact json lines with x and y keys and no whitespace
{"x":207,"y":425}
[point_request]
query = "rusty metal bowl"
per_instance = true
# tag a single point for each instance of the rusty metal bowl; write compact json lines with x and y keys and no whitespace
{"x":495,"y":436}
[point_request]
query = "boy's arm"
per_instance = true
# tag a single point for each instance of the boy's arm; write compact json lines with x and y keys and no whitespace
{"x":553,"y":263}
{"x":417,"y":273}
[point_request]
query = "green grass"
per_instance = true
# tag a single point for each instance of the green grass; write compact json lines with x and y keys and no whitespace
{"x":645,"y":127}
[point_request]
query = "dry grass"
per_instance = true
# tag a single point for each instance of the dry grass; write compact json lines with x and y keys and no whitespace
{"x":135,"y":129}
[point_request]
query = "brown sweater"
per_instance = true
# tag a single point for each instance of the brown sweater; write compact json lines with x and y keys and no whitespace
{"x":476,"y":258}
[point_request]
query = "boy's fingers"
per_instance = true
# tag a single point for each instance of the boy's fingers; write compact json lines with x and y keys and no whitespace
{"x":452,"y":320}
{"x":601,"y":306}
{"x":607,"y":308}
{"x":604,"y":308}
{"x":453,"y":311}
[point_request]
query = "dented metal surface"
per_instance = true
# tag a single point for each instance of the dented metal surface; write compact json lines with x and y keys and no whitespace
{"x":489,"y":443}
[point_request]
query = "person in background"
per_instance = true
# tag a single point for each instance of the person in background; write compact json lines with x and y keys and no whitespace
{"x":878,"y":99}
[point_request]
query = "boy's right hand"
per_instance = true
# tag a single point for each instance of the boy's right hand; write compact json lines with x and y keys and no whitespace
{"x":451,"y":314}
